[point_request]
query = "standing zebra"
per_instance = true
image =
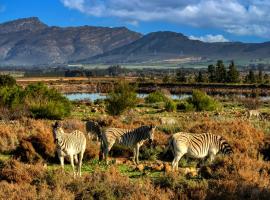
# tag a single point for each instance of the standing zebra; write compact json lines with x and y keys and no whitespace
{"x":133,"y":138}
{"x":197,"y":146}
{"x":69,"y":144}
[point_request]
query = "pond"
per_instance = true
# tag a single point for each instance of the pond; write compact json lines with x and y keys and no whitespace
{"x":95,"y":96}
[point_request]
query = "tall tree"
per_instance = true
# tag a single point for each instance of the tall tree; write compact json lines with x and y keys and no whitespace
{"x":250,"y":78}
{"x":233,"y":74}
{"x":199,"y":78}
{"x":220,"y":72}
{"x":211,"y":73}
{"x":260,"y":77}
{"x":180,"y":76}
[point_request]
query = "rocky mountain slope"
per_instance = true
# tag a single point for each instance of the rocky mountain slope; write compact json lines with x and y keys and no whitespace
{"x":30,"y":42}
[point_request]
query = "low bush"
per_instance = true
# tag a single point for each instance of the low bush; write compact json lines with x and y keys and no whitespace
{"x":170,"y":106}
{"x":156,"y":97}
{"x":44,"y":102}
{"x":202,"y":102}
{"x":7,"y":80}
{"x":185,"y":106}
{"x":121,"y":98}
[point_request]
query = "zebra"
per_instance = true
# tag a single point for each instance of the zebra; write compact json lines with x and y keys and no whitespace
{"x":133,"y":138}
{"x":254,"y":113}
{"x":197,"y":146}
{"x":93,"y":130}
{"x":69,"y":144}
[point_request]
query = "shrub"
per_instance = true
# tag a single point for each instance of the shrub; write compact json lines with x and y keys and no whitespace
{"x":185,"y":106}
{"x":122,"y":98}
{"x":156,"y":97}
{"x":6,"y":80}
{"x":44,"y":102}
{"x":201,"y":101}
{"x":12,"y":97}
{"x":170,"y":105}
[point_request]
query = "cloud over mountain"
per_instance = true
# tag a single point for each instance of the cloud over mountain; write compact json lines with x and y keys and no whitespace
{"x":210,"y":38}
{"x":239,"y":17}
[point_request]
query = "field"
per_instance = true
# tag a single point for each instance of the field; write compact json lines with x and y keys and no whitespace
{"x":29,"y":167}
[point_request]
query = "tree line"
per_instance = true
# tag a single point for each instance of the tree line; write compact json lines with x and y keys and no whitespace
{"x":219,"y":73}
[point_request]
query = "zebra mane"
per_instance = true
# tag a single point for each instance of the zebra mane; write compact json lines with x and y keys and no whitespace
{"x":94,"y":127}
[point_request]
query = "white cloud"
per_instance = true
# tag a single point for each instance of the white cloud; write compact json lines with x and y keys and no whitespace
{"x":240,"y":17}
{"x":210,"y":38}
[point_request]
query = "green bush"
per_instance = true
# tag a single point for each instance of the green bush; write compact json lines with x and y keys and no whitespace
{"x":44,"y":102}
{"x":185,"y":106}
{"x":202,"y":102}
{"x":121,"y":98}
{"x":156,"y":97}
{"x":6,"y":80}
{"x":12,"y":97}
{"x":170,"y":105}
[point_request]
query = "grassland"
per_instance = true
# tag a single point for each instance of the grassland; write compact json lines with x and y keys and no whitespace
{"x":29,"y":168}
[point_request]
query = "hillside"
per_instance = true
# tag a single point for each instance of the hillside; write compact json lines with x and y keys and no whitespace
{"x":30,"y":42}
{"x":167,"y":45}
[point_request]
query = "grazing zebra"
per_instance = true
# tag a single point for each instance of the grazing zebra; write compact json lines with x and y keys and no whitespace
{"x":254,"y":113}
{"x":133,"y":138}
{"x":197,"y":146}
{"x":69,"y":144}
{"x":93,"y":130}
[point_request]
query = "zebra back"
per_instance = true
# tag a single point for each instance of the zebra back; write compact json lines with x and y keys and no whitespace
{"x":129,"y":137}
{"x":200,"y":143}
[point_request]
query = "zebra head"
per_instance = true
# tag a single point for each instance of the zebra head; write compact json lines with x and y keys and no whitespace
{"x":151,"y":133}
{"x":56,"y":128}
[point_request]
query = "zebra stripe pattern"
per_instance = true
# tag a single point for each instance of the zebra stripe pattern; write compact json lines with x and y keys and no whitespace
{"x":197,"y":146}
{"x":69,"y":144}
{"x":93,"y":130}
{"x":133,"y":138}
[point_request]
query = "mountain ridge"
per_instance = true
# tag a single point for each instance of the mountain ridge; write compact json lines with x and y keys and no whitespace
{"x":28,"y":41}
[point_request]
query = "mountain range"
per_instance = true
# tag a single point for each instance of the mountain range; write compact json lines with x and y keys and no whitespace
{"x":29,"y":42}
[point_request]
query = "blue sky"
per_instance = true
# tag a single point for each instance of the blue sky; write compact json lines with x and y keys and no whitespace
{"x":206,"y":20}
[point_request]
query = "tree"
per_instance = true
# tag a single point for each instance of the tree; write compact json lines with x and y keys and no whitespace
{"x":260,"y":77}
{"x":250,"y":77}
{"x":180,"y":76}
{"x":7,"y":80}
{"x":199,"y":78}
{"x":211,"y":73}
{"x":266,"y":78}
{"x":233,"y":74}
{"x":121,"y":98}
{"x":115,"y":70}
{"x":166,"y":79}
{"x":220,"y":72}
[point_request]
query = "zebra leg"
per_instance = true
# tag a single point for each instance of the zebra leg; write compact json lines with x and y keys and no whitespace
{"x":61,"y":158}
{"x":72,"y":164}
{"x":137,"y":153}
{"x":107,"y":150}
{"x":80,"y":163}
{"x":76,"y":159}
{"x":176,"y":161}
{"x":134,"y":155}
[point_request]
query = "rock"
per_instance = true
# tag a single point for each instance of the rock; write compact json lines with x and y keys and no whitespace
{"x":140,"y":167}
{"x":167,"y":121}
{"x":167,"y":167}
